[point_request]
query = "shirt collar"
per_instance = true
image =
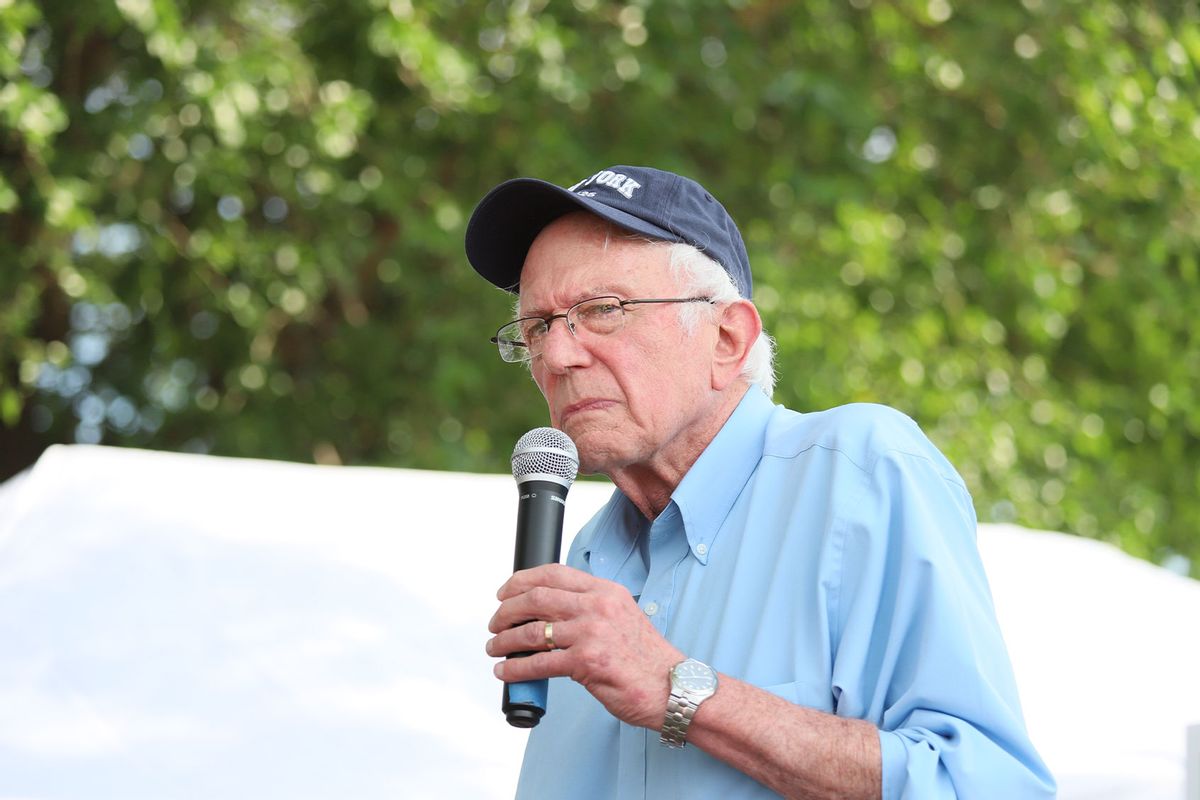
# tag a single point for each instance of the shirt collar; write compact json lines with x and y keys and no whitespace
{"x":708,"y":491}
{"x":616,"y":529}
{"x":704,"y":497}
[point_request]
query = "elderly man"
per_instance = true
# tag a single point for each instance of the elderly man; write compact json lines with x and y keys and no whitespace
{"x":797,"y":596}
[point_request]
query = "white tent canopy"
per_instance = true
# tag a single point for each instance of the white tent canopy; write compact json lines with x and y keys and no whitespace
{"x":195,"y":627}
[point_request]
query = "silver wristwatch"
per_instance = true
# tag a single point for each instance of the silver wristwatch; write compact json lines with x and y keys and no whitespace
{"x":692,"y":682}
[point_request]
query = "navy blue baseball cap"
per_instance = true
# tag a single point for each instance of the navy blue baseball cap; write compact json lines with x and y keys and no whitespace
{"x":656,"y":204}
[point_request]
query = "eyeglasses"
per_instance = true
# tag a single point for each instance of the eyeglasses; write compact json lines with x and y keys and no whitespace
{"x":525,"y":338}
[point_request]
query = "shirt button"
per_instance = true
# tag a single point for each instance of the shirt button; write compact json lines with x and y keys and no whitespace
{"x":701,"y":548}
{"x":651,"y":609}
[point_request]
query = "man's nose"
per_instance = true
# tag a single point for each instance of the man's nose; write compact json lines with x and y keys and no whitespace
{"x":561,"y":349}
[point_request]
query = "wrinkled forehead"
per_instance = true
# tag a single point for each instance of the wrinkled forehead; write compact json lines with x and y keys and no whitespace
{"x":581,"y":255}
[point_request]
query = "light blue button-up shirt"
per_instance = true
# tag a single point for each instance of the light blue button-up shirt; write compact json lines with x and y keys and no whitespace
{"x":828,"y":558}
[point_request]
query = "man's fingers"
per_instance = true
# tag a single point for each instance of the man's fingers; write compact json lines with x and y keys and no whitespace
{"x":539,"y":602}
{"x":530,"y":637}
{"x":556,"y":576}
{"x":547,"y":664}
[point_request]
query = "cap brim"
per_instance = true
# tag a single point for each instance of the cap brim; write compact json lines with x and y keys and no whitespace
{"x":508,"y":219}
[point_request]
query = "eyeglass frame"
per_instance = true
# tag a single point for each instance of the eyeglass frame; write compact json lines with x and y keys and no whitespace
{"x":566,"y":316}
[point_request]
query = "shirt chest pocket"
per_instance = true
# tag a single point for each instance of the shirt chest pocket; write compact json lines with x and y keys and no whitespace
{"x":807,"y":694}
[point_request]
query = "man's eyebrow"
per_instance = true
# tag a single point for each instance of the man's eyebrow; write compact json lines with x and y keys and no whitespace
{"x":603,"y":290}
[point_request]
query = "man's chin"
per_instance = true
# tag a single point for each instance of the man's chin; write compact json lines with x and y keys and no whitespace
{"x":597,"y":468}
{"x":596,"y":456}
{"x":580,"y":430}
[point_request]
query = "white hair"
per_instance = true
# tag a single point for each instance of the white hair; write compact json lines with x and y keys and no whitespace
{"x":698,"y":275}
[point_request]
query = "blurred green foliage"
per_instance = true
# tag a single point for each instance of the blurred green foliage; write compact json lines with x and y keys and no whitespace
{"x":235,"y":226}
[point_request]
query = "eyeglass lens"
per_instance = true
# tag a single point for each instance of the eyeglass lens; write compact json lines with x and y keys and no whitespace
{"x":525,"y":338}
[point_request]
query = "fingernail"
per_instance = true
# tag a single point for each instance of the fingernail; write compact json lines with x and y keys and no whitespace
{"x":498,"y":670}
{"x":488,"y":647}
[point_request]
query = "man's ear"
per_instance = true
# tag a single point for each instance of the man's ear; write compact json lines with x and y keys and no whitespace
{"x":737,"y":329}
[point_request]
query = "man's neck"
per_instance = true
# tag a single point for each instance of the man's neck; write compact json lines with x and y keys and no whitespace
{"x":649,"y":485}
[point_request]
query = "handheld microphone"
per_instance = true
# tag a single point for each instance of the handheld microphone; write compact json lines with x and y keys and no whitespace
{"x":544,"y":465}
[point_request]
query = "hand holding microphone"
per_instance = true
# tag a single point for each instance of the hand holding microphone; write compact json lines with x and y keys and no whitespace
{"x":544,"y":465}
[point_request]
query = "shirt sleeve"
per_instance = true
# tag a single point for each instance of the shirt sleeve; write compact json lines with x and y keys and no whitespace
{"x":917,"y":648}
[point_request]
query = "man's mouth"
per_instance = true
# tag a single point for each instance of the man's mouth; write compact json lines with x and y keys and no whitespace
{"x":582,"y":406}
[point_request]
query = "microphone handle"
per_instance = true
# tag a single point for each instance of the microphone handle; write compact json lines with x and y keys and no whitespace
{"x":539,"y":524}
{"x":540,"y":512}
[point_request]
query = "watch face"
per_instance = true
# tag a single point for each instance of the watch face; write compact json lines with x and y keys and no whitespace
{"x":692,"y":676}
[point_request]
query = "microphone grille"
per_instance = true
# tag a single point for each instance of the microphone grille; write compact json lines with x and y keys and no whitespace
{"x":546,"y":452}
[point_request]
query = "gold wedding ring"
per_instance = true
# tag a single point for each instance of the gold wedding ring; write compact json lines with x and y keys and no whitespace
{"x":549,"y":636}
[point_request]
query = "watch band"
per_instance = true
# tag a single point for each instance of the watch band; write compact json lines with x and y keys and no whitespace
{"x":692,"y":682}
{"x":679,"y":716}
